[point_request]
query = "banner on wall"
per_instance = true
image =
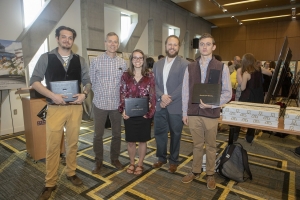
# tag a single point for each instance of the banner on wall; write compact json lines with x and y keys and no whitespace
{"x":12,"y":71}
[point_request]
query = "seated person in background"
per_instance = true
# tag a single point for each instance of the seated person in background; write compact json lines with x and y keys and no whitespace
{"x":137,"y":83}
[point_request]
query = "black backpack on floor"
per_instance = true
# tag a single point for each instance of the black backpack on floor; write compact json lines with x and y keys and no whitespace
{"x":234,"y":163}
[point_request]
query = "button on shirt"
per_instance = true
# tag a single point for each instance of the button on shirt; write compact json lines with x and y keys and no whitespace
{"x":105,"y":73}
{"x":166,"y":71}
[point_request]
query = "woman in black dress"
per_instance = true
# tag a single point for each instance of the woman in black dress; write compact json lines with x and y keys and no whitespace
{"x":250,"y":79}
{"x":137,"y":82}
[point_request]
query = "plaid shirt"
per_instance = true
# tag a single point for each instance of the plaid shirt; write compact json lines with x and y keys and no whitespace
{"x":105,"y":73}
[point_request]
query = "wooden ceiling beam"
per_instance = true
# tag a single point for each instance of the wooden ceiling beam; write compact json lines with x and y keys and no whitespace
{"x":256,"y":11}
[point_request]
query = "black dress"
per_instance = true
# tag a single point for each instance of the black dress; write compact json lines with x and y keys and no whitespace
{"x":137,"y":129}
{"x":253,"y":93}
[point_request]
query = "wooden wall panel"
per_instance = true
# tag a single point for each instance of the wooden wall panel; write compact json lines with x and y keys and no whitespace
{"x":263,"y":40}
{"x":262,"y":49}
{"x":233,"y":33}
{"x":215,"y":32}
{"x":293,"y":43}
{"x":279,"y":44}
{"x":262,"y":31}
{"x":227,"y":50}
{"x":289,"y":29}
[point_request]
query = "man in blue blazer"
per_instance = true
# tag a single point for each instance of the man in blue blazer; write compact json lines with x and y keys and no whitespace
{"x":169,"y":73}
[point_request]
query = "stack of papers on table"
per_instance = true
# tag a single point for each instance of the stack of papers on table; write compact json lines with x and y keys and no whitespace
{"x":251,"y":113}
{"x":292,"y":118}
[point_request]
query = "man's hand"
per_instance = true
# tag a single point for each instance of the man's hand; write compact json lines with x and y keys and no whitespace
{"x":79,"y":100}
{"x":124,"y":115}
{"x":203,"y":105}
{"x":163,"y":105}
{"x":58,"y":99}
{"x":166,"y":99}
{"x":185,"y":120}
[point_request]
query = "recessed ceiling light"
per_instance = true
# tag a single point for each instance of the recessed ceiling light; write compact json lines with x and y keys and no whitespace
{"x":246,"y":20}
{"x":240,"y":2}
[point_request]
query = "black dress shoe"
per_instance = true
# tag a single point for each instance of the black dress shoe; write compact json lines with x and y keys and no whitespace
{"x":46,"y":193}
{"x":117,"y":164}
{"x":75,"y":180}
{"x":97,"y":167}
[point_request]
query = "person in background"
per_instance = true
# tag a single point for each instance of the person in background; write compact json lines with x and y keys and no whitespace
{"x":160,"y":57}
{"x":106,"y":71}
{"x":149,"y":63}
{"x":217,"y":57}
{"x":229,"y":63}
{"x":169,"y":74}
{"x":250,"y":78}
{"x":61,"y":64}
{"x":237,"y":60}
{"x":270,"y":65}
{"x":287,"y":82}
{"x":202,"y":118}
{"x":137,"y":83}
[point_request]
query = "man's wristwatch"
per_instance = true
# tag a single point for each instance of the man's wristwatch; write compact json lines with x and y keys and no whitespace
{"x":86,"y":94}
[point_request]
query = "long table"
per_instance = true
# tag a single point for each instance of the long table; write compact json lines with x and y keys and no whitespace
{"x":279,"y":129}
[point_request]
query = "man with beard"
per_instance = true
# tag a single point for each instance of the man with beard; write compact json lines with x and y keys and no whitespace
{"x":61,"y":64}
{"x":169,"y":73}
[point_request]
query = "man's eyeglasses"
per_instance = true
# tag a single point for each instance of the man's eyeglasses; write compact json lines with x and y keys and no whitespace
{"x":137,"y":58}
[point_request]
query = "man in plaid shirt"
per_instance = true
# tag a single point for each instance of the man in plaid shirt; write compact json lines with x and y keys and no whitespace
{"x":105,"y":72}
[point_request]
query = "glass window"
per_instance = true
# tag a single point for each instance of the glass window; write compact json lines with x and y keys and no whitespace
{"x":171,"y":31}
{"x":32,"y":9}
{"x":125,"y":24}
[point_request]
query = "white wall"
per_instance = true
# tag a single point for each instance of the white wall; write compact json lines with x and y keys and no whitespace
{"x":143,"y":41}
{"x":71,"y":19}
{"x":12,"y":10}
{"x":11,"y":21}
{"x":112,"y":21}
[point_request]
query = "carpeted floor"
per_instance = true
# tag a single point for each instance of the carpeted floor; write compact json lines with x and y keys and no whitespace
{"x":275,"y":169}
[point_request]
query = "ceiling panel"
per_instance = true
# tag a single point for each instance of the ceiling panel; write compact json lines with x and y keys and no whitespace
{"x":212,"y":10}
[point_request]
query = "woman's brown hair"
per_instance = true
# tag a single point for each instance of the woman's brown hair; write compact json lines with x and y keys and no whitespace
{"x":249,"y":63}
{"x":131,"y":67}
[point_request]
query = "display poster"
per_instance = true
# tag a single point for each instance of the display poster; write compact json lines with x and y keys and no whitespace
{"x":12,"y":71}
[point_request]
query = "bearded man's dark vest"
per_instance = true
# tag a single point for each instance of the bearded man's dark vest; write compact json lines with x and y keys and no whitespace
{"x":56,"y":72}
{"x":213,"y":76}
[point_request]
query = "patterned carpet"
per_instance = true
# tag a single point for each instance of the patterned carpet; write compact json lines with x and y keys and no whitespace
{"x":275,"y":169}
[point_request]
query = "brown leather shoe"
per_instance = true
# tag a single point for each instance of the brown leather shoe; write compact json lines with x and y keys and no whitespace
{"x":97,"y":167}
{"x":46,"y":193}
{"x":211,"y":183}
{"x":75,"y":180}
{"x":158,"y":164}
{"x":117,"y":164}
{"x":172,"y":168}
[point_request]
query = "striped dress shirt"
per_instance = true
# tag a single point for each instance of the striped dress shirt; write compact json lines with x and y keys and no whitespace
{"x":105,"y":73}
